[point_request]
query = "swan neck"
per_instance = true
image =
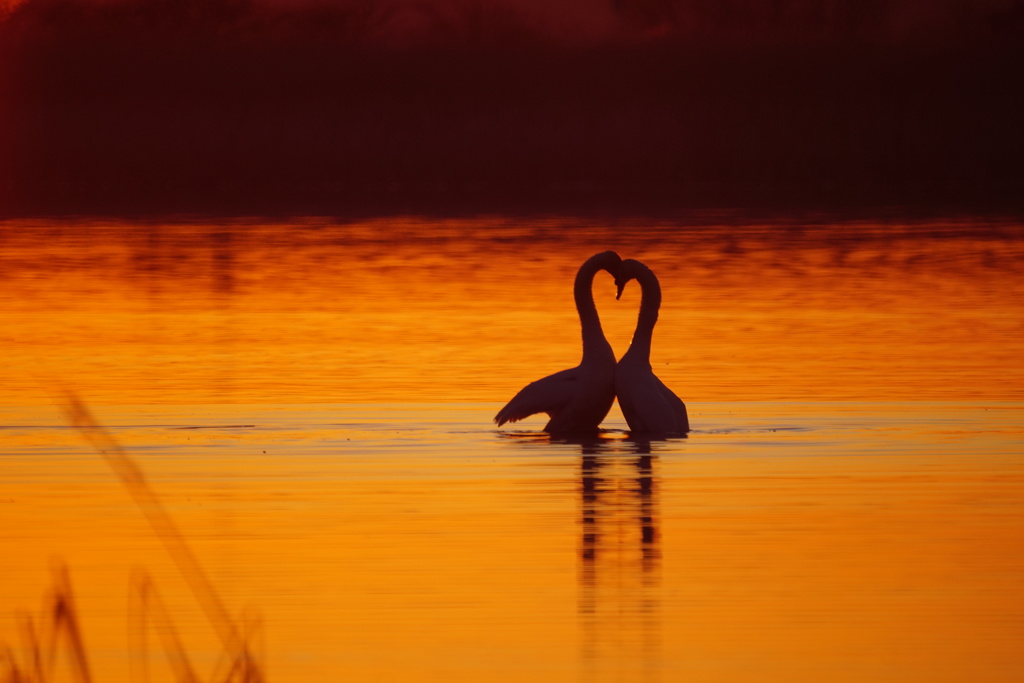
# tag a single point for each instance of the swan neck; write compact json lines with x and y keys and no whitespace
{"x":650,"y":303}
{"x":590,"y":322}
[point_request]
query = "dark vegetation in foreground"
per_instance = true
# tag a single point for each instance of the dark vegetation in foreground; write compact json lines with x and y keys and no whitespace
{"x":131,"y":107}
{"x":58,"y":628}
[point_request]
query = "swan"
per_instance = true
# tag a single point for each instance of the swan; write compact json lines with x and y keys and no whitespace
{"x":647,"y":404}
{"x":576,"y":399}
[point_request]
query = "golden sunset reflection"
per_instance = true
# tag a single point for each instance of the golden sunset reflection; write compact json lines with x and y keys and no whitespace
{"x":311,"y":403}
{"x":412,"y":310}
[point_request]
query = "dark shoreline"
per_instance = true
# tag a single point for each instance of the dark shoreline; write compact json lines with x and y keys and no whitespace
{"x":87,"y":202}
{"x":117,"y":120}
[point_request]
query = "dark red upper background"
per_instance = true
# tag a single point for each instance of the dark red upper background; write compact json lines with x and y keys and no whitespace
{"x":232,"y":106}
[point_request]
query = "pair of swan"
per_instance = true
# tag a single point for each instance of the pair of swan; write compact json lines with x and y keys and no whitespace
{"x":578,"y":399}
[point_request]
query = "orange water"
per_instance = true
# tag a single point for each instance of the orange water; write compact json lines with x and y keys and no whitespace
{"x":413,"y":310}
{"x":311,"y":403}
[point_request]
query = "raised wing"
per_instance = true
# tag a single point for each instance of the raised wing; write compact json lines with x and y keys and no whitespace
{"x":549,"y":395}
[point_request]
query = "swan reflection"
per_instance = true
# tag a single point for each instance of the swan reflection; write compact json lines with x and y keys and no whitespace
{"x":618,"y":513}
{"x":619,"y":602}
{"x":619,"y":550}
{"x":619,"y":553}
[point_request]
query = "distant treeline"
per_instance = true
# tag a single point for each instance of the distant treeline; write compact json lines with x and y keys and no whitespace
{"x":831,"y":21}
{"x":129,"y":106}
{"x":405,"y":22}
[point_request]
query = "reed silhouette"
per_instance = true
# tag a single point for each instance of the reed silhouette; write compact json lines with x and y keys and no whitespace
{"x":238,"y":663}
{"x":147,"y":611}
{"x":577,"y":399}
{"x":42,"y":637}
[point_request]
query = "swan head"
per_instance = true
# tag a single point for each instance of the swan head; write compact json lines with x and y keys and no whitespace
{"x":606,"y":260}
{"x":628,"y":270}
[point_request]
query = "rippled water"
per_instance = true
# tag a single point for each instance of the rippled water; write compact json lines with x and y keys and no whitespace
{"x":311,"y":403}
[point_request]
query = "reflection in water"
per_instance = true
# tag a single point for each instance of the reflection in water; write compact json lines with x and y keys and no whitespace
{"x":764,"y":551}
{"x":223,"y":262}
{"x":425,"y":310}
{"x":619,"y":579}
{"x":407,"y":543}
{"x":620,"y":563}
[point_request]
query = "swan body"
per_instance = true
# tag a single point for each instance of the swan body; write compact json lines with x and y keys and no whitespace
{"x":577,"y":399}
{"x":648,"y":405}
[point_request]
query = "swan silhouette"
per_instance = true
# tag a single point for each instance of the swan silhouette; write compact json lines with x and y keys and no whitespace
{"x":647,"y":404}
{"x":577,"y":399}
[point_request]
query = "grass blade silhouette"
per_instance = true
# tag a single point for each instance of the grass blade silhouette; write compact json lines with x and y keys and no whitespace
{"x":163,"y":525}
{"x":41,"y":642}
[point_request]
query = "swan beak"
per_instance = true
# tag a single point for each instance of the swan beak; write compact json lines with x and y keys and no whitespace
{"x":618,"y":294}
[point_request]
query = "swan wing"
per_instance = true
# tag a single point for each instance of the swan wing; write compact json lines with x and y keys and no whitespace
{"x":549,"y":395}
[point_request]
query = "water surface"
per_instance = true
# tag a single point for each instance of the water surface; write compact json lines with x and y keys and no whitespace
{"x":400,"y":310}
{"x":311,"y":403}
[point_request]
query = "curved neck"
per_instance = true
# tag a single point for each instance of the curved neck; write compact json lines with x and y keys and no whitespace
{"x":593,"y":335}
{"x":650,"y":302}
